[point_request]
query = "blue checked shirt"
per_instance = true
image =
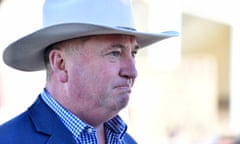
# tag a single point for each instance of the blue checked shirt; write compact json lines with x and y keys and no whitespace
{"x":82,"y":132}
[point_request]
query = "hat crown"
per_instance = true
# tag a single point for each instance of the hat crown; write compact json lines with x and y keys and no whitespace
{"x":114,"y":13}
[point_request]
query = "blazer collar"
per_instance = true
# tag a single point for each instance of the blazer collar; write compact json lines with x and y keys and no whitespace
{"x":47,"y":122}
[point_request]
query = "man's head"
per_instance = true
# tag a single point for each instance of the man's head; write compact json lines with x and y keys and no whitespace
{"x":88,"y":49}
{"x":93,"y":74}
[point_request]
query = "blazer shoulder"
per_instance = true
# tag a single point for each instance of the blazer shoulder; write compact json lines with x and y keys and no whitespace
{"x":38,"y":125}
{"x":15,"y":128}
{"x":21,"y":129}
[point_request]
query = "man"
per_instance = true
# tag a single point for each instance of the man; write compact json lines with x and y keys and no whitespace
{"x":87,"y":48}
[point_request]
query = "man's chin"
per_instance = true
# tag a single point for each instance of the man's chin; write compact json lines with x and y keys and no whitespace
{"x":123,"y":102}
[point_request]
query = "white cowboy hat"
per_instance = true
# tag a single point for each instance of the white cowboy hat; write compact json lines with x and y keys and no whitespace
{"x":67,"y":19}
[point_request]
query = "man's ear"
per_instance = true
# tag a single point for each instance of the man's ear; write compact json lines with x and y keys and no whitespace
{"x":57,"y":62}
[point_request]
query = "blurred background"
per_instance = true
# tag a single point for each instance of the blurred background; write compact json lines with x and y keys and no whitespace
{"x":187,"y":91}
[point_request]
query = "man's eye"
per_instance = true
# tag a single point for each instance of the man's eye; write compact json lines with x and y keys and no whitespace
{"x":116,"y":53}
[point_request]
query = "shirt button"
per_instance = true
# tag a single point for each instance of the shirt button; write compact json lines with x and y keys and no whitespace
{"x":89,"y":130}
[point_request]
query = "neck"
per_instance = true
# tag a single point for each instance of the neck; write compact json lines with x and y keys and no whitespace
{"x":101,"y":134}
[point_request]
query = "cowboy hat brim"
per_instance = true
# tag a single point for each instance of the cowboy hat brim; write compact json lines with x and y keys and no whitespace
{"x":27,"y":53}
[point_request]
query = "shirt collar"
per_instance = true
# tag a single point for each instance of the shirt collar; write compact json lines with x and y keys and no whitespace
{"x":75,"y":125}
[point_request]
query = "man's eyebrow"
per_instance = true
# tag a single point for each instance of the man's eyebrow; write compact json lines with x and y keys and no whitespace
{"x":118,"y":46}
{"x":136,"y":47}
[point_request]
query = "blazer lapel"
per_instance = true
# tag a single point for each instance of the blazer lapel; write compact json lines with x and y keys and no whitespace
{"x":47,"y":122}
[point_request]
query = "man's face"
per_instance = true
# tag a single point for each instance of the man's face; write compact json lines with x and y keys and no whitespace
{"x":101,"y":73}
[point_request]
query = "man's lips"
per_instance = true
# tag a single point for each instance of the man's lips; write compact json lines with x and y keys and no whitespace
{"x":124,"y":87}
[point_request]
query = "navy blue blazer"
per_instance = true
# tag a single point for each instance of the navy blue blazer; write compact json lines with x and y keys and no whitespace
{"x":39,"y":125}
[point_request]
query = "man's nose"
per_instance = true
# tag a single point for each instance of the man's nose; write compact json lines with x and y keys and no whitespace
{"x":128,"y":68}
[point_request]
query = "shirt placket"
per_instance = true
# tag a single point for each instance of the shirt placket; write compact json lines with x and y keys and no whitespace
{"x":88,"y":136}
